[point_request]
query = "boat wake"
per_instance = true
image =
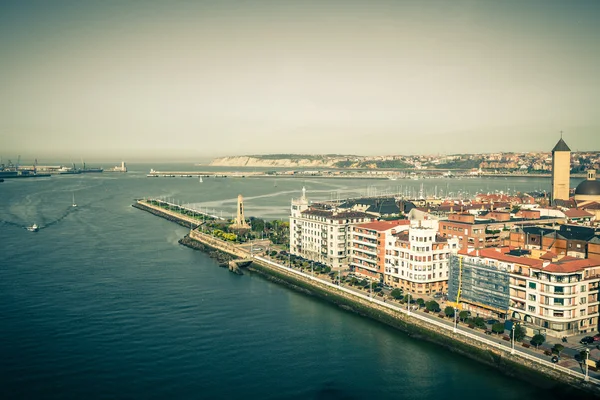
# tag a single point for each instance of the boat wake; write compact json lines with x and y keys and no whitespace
{"x":59,"y":219}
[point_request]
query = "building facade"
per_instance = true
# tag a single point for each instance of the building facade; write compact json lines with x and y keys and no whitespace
{"x":322,"y":235}
{"x":558,"y":296}
{"x":369,"y":245}
{"x":417,"y":260}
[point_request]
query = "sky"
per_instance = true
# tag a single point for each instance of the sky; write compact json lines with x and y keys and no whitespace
{"x":132,"y":79}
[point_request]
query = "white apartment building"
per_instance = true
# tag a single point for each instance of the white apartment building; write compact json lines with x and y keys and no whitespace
{"x":321,"y":234}
{"x":417,"y":260}
{"x":368,"y":246}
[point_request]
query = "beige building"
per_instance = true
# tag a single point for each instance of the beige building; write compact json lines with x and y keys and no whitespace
{"x":561,"y":170}
{"x":417,"y":260}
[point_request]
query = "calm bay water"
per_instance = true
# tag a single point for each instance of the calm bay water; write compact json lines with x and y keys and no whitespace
{"x":103,"y":302}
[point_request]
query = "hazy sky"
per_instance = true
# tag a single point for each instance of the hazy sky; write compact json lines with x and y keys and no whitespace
{"x":143,"y":79}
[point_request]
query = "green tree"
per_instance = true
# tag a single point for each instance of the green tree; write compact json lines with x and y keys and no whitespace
{"x":519,"y":333}
{"x":479,"y":322}
{"x":463,"y":315}
{"x":397,"y":294}
{"x":257,"y":224}
{"x":420,"y":302}
{"x":538,"y":340}
{"x":449,"y":311}
{"x":498,"y":328}
{"x":432,"y":306}
{"x":558,"y":348}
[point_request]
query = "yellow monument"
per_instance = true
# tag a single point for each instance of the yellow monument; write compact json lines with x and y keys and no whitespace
{"x":561,"y":170}
{"x":240,"y":220}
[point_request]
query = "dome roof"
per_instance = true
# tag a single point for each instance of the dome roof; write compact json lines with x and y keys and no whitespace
{"x":588,"y":188}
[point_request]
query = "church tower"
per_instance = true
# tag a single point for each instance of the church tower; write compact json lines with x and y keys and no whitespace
{"x":561,"y":170}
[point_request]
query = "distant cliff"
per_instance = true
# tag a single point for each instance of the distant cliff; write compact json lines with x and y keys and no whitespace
{"x":307,"y":161}
{"x":279,"y":160}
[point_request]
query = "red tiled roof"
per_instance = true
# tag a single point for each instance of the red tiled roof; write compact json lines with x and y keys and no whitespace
{"x":570,"y":264}
{"x":499,"y":253}
{"x":591,"y":206}
{"x":575,"y":213}
{"x":381,"y":226}
{"x":548,"y":255}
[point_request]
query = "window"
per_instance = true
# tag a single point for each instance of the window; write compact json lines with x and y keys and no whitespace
{"x":532,"y":297}
{"x":531,"y":309}
{"x":531,"y":285}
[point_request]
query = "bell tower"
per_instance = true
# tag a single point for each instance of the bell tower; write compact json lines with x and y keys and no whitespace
{"x":561,"y":170}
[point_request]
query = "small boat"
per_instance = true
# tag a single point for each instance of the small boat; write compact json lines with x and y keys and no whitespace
{"x":200,"y":180}
{"x":33,"y":228}
{"x":74,"y":205}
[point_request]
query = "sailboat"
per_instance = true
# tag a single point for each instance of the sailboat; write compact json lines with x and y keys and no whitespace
{"x":74,"y":205}
{"x":200,"y":180}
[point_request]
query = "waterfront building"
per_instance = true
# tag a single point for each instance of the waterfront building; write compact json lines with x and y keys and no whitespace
{"x":369,"y":246}
{"x":565,"y":240}
{"x":416,"y":260}
{"x":323,"y":233}
{"x":554,"y":295}
{"x":490,"y":229}
{"x":561,"y":170}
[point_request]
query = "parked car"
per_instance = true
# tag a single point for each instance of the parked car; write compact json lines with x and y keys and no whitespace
{"x":587,"y":340}
{"x":597,"y":338}
{"x":492,"y":321}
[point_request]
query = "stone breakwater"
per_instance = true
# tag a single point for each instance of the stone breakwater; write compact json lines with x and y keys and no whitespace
{"x":519,"y":366}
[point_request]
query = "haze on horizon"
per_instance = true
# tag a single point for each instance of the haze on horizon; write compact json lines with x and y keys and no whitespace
{"x":191,"y":79}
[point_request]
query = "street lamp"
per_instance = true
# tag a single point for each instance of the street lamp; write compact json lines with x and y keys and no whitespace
{"x":455,"y":319}
{"x":587,"y":357}
{"x":408,"y":303}
{"x":312,"y":272}
{"x":512,"y":350}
